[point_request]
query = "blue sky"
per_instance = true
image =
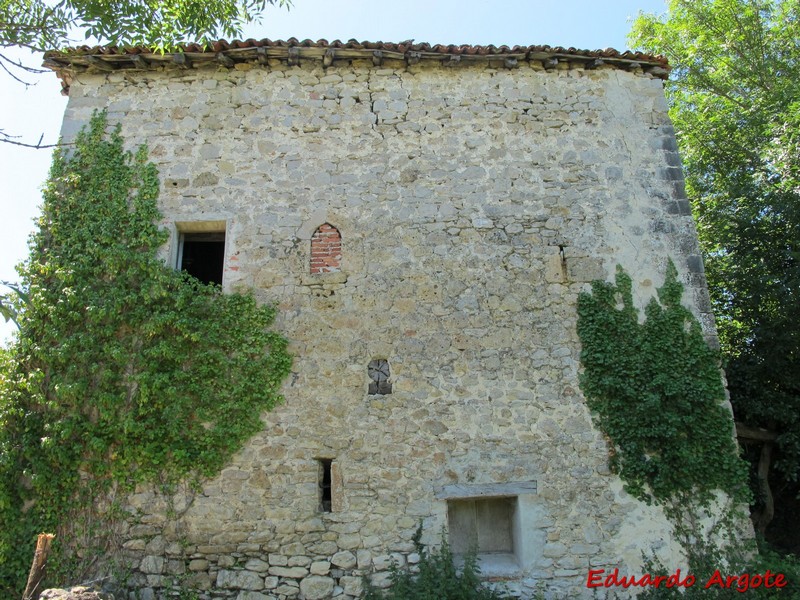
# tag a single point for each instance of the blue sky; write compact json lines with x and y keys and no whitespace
{"x":37,"y":110}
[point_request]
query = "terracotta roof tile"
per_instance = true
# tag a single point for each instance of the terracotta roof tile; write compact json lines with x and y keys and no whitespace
{"x":110,"y":58}
{"x":401,"y":47}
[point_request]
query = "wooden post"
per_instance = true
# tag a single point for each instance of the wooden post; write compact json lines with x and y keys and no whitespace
{"x":38,"y":566}
{"x":761,"y":518}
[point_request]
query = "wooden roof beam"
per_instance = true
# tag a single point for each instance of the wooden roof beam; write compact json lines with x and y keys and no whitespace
{"x":139,"y":62}
{"x":413,"y":57}
{"x":99,"y":63}
{"x":183,"y":61}
{"x":224,"y":59}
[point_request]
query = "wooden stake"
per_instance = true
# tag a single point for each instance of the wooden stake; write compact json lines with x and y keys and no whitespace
{"x":38,"y":566}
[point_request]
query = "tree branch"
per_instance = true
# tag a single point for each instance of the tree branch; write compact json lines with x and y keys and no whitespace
{"x":755,"y":433}
{"x":9,"y":139}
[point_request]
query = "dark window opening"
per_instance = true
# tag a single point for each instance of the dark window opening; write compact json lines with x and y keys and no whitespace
{"x":202,"y":255}
{"x":325,"y":496}
{"x":378,"y":371}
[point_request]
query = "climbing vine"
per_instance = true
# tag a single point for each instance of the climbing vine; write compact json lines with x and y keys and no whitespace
{"x":123,"y":371}
{"x":655,"y":389}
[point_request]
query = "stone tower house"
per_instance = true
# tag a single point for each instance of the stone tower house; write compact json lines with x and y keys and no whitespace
{"x":425,"y":217}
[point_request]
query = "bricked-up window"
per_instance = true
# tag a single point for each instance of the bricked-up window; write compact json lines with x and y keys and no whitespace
{"x":485,"y":524}
{"x":378,"y":371}
{"x":326,"y":250}
{"x":202,"y":255}
{"x":325,"y":485}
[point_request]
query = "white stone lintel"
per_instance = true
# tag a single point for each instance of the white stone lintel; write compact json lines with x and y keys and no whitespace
{"x":486,"y":490}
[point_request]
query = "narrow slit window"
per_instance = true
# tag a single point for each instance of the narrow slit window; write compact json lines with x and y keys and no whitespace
{"x":202,"y":255}
{"x":325,"y":494}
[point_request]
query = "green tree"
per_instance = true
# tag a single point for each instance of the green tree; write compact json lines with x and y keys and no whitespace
{"x":7,"y":301}
{"x":41,"y":25}
{"x":734,"y":97}
{"x":124,"y":371}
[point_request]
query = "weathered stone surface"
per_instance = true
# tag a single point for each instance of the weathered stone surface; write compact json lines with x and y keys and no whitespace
{"x":344,"y":560}
{"x":287,"y":590}
{"x":316,"y":587}
{"x":292,"y":572}
{"x":226,"y":561}
{"x":243,"y":580}
{"x":353,"y":586}
{"x":382,"y":563}
{"x":152,"y":564}
{"x":251,"y":596}
{"x":198,"y":564}
{"x":474,"y":204}
{"x":381,"y":580}
{"x":257,"y":565}
{"x":75,"y":593}
{"x":278,"y":560}
{"x":321,"y":567}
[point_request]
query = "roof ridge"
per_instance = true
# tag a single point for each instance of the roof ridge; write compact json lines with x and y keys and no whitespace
{"x":404,"y":46}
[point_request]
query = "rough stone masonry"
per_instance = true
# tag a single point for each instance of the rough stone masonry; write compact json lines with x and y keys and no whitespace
{"x":425,"y":219}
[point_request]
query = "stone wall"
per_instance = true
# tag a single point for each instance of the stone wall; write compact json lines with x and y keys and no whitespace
{"x":474,"y":203}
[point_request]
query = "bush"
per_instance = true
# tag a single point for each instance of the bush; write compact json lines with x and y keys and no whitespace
{"x":438,"y":578}
{"x":124,"y":371}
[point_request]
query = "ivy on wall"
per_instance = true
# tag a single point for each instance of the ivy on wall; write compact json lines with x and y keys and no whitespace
{"x":655,"y":389}
{"x":124,"y":371}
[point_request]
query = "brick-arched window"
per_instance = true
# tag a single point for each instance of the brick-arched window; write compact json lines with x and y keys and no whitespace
{"x":326,"y":250}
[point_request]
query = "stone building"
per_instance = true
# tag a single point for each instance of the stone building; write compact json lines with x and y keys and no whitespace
{"x":425,"y":217}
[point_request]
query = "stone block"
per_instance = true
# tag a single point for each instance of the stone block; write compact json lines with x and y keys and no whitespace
{"x":364,"y":559}
{"x":226,"y":560}
{"x":242,"y":580}
{"x":278,"y":560}
{"x":349,"y":541}
{"x":291,"y":572}
{"x":585,"y":269}
{"x":352,"y":586}
{"x":249,"y":595}
{"x":198,"y":564}
{"x":287,"y":590}
{"x":256,"y":565}
{"x":554,"y":550}
{"x":382,"y":562}
{"x":321,"y":567}
{"x":198,"y":581}
{"x":299,"y":561}
{"x":344,"y":559}
{"x":316,"y":587}
{"x":152,"y":565}
{"x":381,"y":580}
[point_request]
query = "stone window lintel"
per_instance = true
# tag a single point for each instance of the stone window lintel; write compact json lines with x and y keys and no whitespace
{"x":487,"y":490}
